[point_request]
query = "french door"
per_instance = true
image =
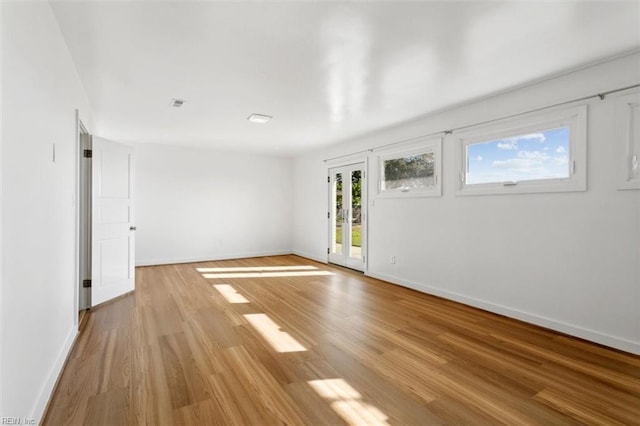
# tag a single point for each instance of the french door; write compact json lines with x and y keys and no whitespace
{"x":347,"y":216}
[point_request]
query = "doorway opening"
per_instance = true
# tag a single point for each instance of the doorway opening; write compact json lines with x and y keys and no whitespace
{"x":106,"y":238}
{"x":347,"y":216}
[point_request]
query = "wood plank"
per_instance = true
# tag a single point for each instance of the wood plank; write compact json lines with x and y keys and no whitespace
{"x":202,"y":413}
{"x":186,"y":379}
{"x":263,"y":386}
{"x":577,"y":410}
{"x":149,"y":391}
{"x":110,"y":408}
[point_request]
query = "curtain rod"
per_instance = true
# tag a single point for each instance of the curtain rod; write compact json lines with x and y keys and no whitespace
{"x":600,"y":95}
{"x":347,"y":155}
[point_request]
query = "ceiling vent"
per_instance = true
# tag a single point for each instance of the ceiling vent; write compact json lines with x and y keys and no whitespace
{"x":177,"y":103}
{"x":259,"y":118}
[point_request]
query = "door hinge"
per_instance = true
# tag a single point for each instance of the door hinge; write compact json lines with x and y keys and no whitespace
{"x":87,"y":153}
{"x":328,"y":215}
{"x":328,"y":250}
{"x":363,"y":259}
{"x":328,"y":179}
{"x":86,"y":283}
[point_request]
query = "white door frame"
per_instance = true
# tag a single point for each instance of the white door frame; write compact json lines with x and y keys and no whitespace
{"x":80,"y":129}
{"x":345,"y":259}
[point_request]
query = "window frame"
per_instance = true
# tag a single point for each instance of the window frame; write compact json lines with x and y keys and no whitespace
{"x":624,"y":108}
{"x":420,"y":146}
{"x":575,"y":118}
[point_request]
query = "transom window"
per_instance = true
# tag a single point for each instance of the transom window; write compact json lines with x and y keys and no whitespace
{"x":411,"y":171}
{"x":537,"y":153}
{"x":532,"y":156}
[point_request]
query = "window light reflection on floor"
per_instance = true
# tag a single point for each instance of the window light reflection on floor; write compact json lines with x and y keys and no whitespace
{"x":258,"y":268}
{"x":334,"y":389}
{"x":356,"y":412}
{"x":347,"y":403}
{"x":231,"y":294}
{"x":281,"y":341}
{"x":268,"y":274}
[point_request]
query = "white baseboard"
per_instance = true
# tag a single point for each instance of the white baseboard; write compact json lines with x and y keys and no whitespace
{"x":169,"y":261}
{"x":48,"y":386}
{"x":310,"y":256}
{"x":583,"y":333}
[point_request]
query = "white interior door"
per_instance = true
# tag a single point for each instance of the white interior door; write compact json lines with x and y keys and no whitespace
{"x":347,"y":216}
{"x":112,"y":229}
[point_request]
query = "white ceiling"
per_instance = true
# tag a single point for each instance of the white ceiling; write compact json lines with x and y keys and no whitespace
{"x":325,"y":71}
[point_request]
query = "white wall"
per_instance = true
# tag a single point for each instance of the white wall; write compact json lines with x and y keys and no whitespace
{"x":40,"y":93}
{"x":568,"y":261}
{"x":197,"y":204}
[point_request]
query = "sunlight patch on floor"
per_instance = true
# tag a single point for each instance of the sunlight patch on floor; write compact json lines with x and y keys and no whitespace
{"x":347,"y":403}
{"x":258,"y":268}
{"x":334,"y":389}
{"x":267,"y":274}
{"x":231,"y":294}
{"x":356,"y":412}
{"x":281,"y":341}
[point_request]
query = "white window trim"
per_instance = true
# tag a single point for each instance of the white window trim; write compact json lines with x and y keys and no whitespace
{"x":624,"y":106}
{"x":575,"y":118}
{"x":420,"y":146}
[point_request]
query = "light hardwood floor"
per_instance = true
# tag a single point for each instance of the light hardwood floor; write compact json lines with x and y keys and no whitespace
{"x":284,"y":340}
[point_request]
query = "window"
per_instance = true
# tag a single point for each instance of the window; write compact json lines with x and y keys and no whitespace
{"x":628,"y":140}
{"x":411,"y":171}
{"x":537,"y":153}
{"x":520,"y":158}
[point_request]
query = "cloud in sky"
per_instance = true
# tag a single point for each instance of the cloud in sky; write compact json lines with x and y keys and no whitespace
{"x":508,"y":144}
{"x":561,"y":150}
{"x":512,"y":143}
{"x":561,"y":161}
{"x":532,"y":163}
{"x":479,"y":158}
{"x":533,"y":155}
{"x":540,"y":137}
{"x":525,"y":162}
{"x":517,"y":164}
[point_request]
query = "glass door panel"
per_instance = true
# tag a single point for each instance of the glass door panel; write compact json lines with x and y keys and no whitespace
{"x":338,"y":214}
{"x":355,"y":248}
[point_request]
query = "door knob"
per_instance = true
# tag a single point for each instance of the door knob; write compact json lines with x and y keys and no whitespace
{"x":132,"y":228}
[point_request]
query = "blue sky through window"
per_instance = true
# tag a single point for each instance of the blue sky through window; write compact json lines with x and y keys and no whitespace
{"x":533,"y":156}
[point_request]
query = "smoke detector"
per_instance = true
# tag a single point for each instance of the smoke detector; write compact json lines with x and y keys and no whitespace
{"x":177,"y":103}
